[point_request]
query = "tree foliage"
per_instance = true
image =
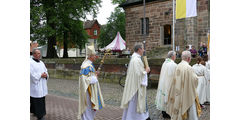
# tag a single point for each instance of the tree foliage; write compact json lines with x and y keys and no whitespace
{"x":116,"y":23}
{"x":118,"y":1}
{"x":59,"y":21}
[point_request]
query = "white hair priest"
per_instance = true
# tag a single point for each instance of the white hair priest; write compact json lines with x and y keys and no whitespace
{"x":183,"y":103}
{"x":166,"y":77}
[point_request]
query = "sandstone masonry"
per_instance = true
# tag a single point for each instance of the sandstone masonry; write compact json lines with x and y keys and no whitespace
{"x":189,"y":31}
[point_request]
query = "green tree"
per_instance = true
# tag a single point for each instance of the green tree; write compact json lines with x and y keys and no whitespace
{"x":57,"y":21}
{"x":118,"y":1}
{"x":116,"y":23}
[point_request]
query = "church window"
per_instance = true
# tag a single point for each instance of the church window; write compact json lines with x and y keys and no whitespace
{"x":167,"y":34}
{"x":147,"y":26}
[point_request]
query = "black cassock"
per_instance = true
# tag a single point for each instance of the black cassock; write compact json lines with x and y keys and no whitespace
{"x":37,"y":106}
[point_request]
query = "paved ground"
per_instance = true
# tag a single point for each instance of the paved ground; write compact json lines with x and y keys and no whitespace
{"x":62,"y":101}
{"x":63,"y":108}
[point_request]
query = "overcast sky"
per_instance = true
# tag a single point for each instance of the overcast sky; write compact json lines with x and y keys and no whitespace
{"x":104,"y":11}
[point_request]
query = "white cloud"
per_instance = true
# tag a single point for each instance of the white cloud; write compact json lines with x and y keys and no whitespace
{"x":104,"y":11}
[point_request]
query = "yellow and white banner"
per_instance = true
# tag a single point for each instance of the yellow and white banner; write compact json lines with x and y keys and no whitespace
{"x":186,"y":8}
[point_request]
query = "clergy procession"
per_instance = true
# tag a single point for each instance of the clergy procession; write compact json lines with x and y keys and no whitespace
{"x":182,"y":91}
{"x":140,"y":64}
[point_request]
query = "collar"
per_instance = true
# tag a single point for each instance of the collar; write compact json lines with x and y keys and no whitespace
{"x":169,"y":59}
{"x":136,"y":54}
{"x":89,"y":61}
{"x":185,"y":62}
{"x":36,"y":60}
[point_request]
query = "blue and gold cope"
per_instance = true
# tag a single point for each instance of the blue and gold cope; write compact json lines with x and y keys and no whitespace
{"x":86,"y":71}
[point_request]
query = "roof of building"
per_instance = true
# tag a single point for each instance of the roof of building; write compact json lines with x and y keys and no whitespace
{"x":90,"y":23}
{"x":136,"y":2}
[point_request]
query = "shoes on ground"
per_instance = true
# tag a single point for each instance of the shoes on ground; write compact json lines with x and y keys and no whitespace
{"x":41,"y":118}
{"x":202,"y":106}
{"x":148,"y":118}
{"x":165,"y":115}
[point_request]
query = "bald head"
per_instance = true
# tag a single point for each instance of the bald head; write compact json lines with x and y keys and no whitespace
{"x":186,"y":55}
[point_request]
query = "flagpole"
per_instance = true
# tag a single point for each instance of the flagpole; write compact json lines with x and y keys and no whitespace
{"x":173,"y":25}
{"x":144,"y":28}
{"x":144,"y":37}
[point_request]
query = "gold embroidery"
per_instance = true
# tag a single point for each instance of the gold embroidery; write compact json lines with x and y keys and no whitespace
{"x":172,"y":100}
{"x":178,"y":92}
{"x":175,"y":111}
{"x":185,"y":115}
{"x":90,"y":69}
{"x":174,"y":81}
{"x":89,"y":91}
{"x":198,"y":106}
{"x":84,"y":75}
{"x":88,"y":66}
{"x":178,"y":72}
{"x":180,"y":105}
{"x":182,"y":85}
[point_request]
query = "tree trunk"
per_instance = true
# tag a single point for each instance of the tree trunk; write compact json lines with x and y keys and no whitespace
{"x":65,"y":45}
{"x":51,"y":51}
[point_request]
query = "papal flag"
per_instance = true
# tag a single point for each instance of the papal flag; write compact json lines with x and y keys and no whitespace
{"x":186,"y":8}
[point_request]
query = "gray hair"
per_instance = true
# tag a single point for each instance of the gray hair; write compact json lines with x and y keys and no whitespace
{"x":137,"y":46}
{"x":34,"y":50}
{"x":186,"y":54}
{"x":171,"y":53}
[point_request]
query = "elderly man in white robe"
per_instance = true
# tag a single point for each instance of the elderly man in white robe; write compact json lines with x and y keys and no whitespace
{"x":201,"y":72}
{"x":134,"y":100}
{"x":166,"y":77}
{"x":90,"y":96}
{"x":183,"y":103}
{"x":38,"y":85}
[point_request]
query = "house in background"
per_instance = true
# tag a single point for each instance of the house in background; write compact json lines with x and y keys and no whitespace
{"x":92,"y":27}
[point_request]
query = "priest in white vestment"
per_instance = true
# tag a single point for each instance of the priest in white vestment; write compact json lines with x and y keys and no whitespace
{"x":183,"y":102}
{"x":90,"y":96}
{"x":38,"y":85}
{"x":134,"y":100}
{"x":166,"y":77}
{"x":208,"y":81}
{"x":201,"y":72}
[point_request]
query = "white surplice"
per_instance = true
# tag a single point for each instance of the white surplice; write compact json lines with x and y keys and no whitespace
{"x":38,"y":85}
{"x":201,"y":72}
{"x":208,"y":81}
